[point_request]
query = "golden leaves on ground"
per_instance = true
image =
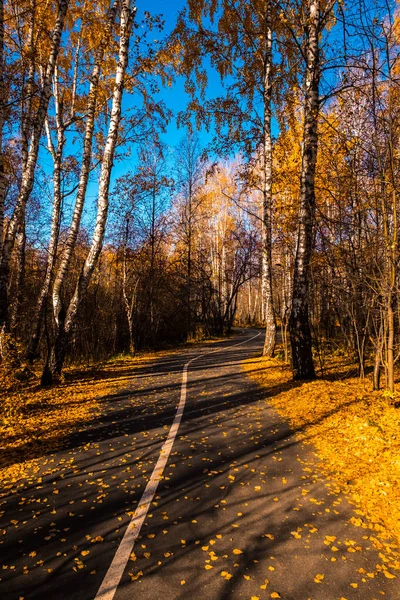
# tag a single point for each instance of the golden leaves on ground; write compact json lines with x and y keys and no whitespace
{"x":41,"y":418}
{"x":226,"y":575}
{"x":356,"y":434}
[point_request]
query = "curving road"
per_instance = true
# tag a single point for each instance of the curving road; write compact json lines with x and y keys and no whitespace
{"x":238,"y":511}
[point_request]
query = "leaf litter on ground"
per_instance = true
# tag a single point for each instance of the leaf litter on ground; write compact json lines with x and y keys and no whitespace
{"x":356,"y":433}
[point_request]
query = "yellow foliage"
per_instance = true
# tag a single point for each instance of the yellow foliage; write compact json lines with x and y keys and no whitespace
{"x":356,"y":435}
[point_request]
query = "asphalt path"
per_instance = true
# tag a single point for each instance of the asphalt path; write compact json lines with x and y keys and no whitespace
{"x":238,"y":512}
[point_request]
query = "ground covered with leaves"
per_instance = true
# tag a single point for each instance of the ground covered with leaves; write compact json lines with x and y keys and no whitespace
{"x":356,"y":433}
{"x":35,"y":421}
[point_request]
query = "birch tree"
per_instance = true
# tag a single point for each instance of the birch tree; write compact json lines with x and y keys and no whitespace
{"x":300,"y":335}
{"x":28,"y":173}
{"x":55,"y":361}
{"x":64,"y":118}
{"x":240,"y":43}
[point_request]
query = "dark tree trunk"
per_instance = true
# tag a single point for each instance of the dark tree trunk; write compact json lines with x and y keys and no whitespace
{"x":299,"y":326}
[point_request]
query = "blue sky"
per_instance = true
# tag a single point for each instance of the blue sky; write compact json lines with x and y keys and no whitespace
{"x":175,"y":97}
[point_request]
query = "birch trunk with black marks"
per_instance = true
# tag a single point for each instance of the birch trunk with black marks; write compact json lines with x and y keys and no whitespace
{"x":65,"y":262}
{"x":19,"y":270}
{"x":58,"y":350}
{"x":128,"y":302}
{"x":28,"y":175}
{"x":28,"y":90}
{"x":299,"y":326}
{"x":266,"y":283}
{"x":57,"y":154}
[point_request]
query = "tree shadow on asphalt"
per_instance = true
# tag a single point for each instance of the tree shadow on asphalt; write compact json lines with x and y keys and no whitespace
{"x":205,"y":487}
{"x":131,"y":411}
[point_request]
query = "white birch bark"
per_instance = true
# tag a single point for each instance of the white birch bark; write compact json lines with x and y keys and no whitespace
{"x":83,"y":177}
{"x":58,"y":351}
{"x":57,"y":154}
{"x":266,"y":281}
{"x":27,"y":100}
{"x":300,"y":334}
{"x":28,"y":174}
{"x":19,"y":276}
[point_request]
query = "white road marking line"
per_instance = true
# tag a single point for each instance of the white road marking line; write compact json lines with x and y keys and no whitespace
{"x":116,"y":569}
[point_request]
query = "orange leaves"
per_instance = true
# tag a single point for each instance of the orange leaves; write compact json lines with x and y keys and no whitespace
{"x":44,"y":417}
{"x":356,"y":435}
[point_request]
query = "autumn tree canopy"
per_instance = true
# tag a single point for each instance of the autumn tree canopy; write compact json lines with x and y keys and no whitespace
{"x":113,"y":239}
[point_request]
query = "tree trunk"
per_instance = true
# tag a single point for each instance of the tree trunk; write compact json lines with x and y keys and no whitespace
{"x":83,"y":178}
{"x":58,"y":351}
{"x":2,"y":109}
{"x":15,"y":311}
{"x":300,"y":333}
{"x":28,"y":174}
{"x":128,"y":304}
{"x":378,"y":358}
{"x":270,"y":321}
{"x":55,"y":229}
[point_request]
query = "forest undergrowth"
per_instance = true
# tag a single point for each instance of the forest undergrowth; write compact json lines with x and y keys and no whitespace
{"x":355,"y":432}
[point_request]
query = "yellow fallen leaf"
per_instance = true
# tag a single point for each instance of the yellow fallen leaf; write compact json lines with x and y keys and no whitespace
{"x":208,"y":567}
{"x":275,"y":595}
{"x":313,"y":529}
{"x":237,"y":551}
{"x":330,"y":538}
{"x":389,"y":575}
{"x":318,"y":578}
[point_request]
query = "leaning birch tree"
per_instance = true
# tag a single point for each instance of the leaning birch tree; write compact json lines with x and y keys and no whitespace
{"x":55,"y":360}
{"x":62,"y":124}
{"x":28,"y":172}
